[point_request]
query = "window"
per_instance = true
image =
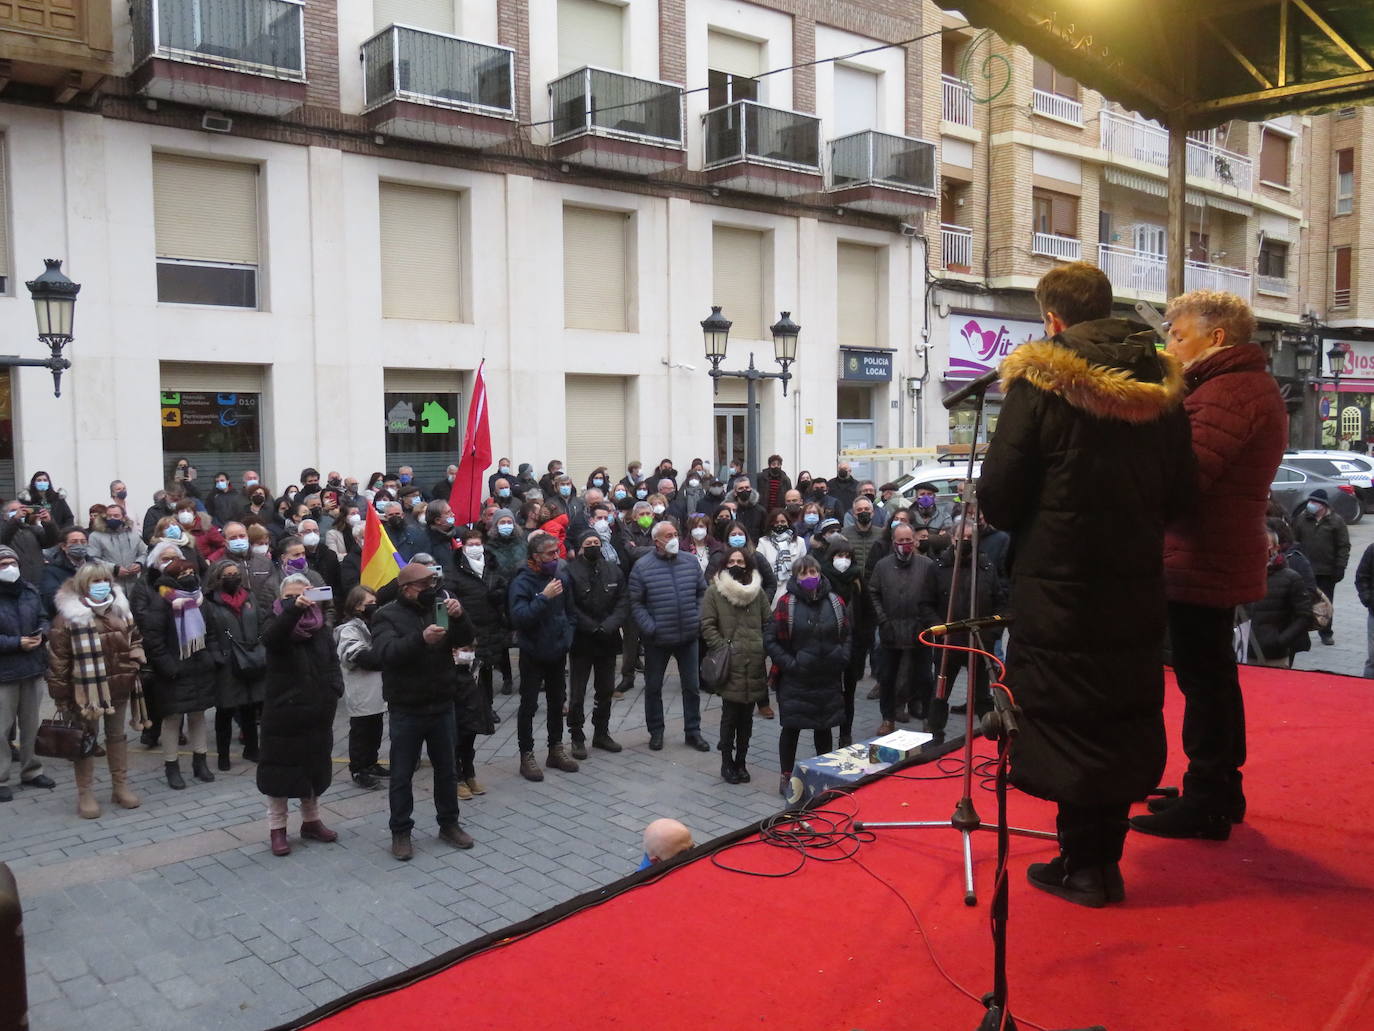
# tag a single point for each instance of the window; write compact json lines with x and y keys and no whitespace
{"x":205,"y":215}
{"x":1055,"y":213}
{"x":590,"y":33}
{"x":421,"y":246}
{"x":856,"y":100}
{"x":434,"y":15}
{"x":737,"y":268}
{"x":1052,"y":81}
{"x":596,"y":411}
{"x":1200,"y":247}
{"x":595,"y":269}
{"x":1345,"y":181}
{"x":857,"y":308}
{"x":1273,"y":259}
{"x":212,"y":417}
{"x":1344,"y":113}
{"x":1274,"y":148}
{"x":1104,"y":227}
{"x":424,"y":418}
{"x":1340,"y":296}
{"x":732,"y":64}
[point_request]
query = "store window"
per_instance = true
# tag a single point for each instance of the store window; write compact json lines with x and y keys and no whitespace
{"x":214,"y":430}
{"x":961,"y":422}
{"x":424,"y":417}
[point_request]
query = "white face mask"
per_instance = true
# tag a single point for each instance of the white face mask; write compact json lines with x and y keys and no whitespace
{"x":474,"y":552}
{"x":841,"y":563}
{"x":670,"y":546}
{"x":354,"y":519}
{"x":601,"y":526}
{"x":658,"y":510}
{"x":9,"y":574}
{"x":260,"y":549}
{"x":186,"y":518}
{"x":698,"y":533}
{"x":310,"y":540}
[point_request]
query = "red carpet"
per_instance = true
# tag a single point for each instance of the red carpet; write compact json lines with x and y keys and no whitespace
{"x":1273,"y":929}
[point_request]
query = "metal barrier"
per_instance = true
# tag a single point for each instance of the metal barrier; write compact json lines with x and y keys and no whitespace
{"x":14,"y":992}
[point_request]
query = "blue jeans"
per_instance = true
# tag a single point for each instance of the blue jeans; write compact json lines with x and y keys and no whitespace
{"x":655,"y":665}
{"x":437,"y":732}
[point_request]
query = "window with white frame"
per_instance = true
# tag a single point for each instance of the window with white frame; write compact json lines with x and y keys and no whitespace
{"x":592,"y":33}
{"x":206,"y":226}
{"x":596,"y":269}
{"x":732,"y":64}
{"x":1345,"y":181}
{"x":856,"y":99}
{"x":421,"y":252}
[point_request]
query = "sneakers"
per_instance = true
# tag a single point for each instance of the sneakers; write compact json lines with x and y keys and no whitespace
{"x":464,"y":792}
{"x":401,"y":847}
{"x":475,"y":786}
{"x":1184,"y":820}
{"x":1086,"y":887}
{"x":378,"y":770}
{"x":698,"y":742}
{"x":529,"y":769}
{"x":602,"y":739}
{"x":559,"y":759}
{"x":366,"y":780}
{"x":579,"y":746}
{"x":315,"y":830}
{"x":454,"y":835}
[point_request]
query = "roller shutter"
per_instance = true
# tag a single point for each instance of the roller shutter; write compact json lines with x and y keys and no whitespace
{"x":421,"y":248}
{"x":857,"y":302}
{"x":205,"y":210}
{"x":737,"y":279}
{"x":435,"y":15}
{"x":590,"y":33}
{"x":595,"y":269}
{"x":595,"y":409}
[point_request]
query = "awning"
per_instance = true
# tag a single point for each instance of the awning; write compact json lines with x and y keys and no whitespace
{"x":1159,"y":188}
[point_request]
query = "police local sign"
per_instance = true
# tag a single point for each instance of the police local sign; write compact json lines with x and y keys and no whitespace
{"x":978,"y":343}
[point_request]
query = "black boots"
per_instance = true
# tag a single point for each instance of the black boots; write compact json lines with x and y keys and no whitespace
{"x":173,"y":771}
{"x":1091,"y":886}
{"x":727,"y":770}
{"x":1185,"y":819}
{"x":200,"y":769}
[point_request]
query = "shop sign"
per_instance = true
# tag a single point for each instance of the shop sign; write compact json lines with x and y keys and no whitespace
{"x":1359,"y":359}
{"x":866,"y":366}
{"x":978,"y":343}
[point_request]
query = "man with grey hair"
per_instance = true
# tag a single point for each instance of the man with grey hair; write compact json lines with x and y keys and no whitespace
{"x":1215,"y":559}
{"x":665,"y":601}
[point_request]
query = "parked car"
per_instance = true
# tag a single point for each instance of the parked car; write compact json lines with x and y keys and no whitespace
{"x":1293,"y":483}
{"x":945,"y":477}
{"x":1356,"y":469}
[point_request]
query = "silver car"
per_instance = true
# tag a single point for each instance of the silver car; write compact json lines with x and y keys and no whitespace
{"x":1292,"y":483}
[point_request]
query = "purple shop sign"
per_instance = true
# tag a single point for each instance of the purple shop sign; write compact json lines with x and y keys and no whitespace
{"x":978,"y":343}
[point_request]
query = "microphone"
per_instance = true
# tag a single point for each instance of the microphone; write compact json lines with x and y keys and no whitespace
{"x":976,"y":386}
{"x":981,"y":623}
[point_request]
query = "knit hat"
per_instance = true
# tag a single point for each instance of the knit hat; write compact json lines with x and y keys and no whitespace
{"x":827,"y":525}
{"x":502,"y":513}
{"x":1319,"y":495}
{"x":9,"y":553}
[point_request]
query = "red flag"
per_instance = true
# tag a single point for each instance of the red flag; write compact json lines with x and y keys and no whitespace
{"x":474,"y":459}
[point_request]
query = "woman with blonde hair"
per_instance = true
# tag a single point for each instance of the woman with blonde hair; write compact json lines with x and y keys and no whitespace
{"x":95,"y":651}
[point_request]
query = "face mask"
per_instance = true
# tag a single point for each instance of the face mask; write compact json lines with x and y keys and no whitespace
{"x":188,"y":582}
{"x":925,"y":501}
{"x":645,"y":521}
{"x":121,"y":494}
{"x":670,"y":546}
{"x":965,"y":549}
{"x":437,"y":569}
{"x":447,"y":521}
{"x":779,"y":531}
{"x":428,"y":597}
{"x":395,"y":521}
{"x":259,"y":499}
{"x":186,"y":518}
{"x":811,"y":519}
{"x":841,"y":563}
{"x":591,"y":552}
{"x":694,"y":483}
{"x":902,"y":550}
{"x":641,"y":494}
{"x":504,"y":492}
{"x":923,"y":546}
{"x":12,"y":514}
{"x":698,"y":533}
{"x":260,"y":549}
{"x":565,"y":490}
{"x":503,"y":470}
{"x":863,"y":518}
{"x":230,"y":584}
{"x":743,"y":495}
{"x":291,"y":495}
{"x":239,"y":545}
{"x":1313,"y":507}
{"x":474,"y":552}
{"x":715,"y":491}
{"x":377,"y":485}
{"x":659,"y":510}
{"x":505,"y":529}
{"x":621,"y":495}
{"x":114,"y":524}
{"x":368,"y":612}
{"x":871,"y":497}
{"x":601,"y":526}
{"x":297,"y":565}
{"x":173,"y":533}
{"x":809,"y":583}
{"x":598,"y":481}
{"x":416,"y":501}
{"x":310,"y":540}
{"x":221,"y":485}
{"x":550,"y":567}
{"x":9,"y":574}
{"x":250,"y":483}
{"x":740,"y":573}
{"x":736,"y":540}
{"x":405,"y":479}
{"x":354,"y":519}
{"x":41,"y":484}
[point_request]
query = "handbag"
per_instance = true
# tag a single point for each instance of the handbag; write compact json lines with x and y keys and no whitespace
{"x":715,"y":669}
{"x":1321,"y":611}
{"x":248,"y":663}
{"x":66,"y":737}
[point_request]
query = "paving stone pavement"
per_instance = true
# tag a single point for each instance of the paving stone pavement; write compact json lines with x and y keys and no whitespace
{"x":1348,"y":654}
{"x":176,"y":915}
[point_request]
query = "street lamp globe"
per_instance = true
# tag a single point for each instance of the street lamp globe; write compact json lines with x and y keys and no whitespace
{"x":1302,"y":358}
{"x":716,"y":331}
{"x":54,"y":304}
{"x":785,"y":333}
{"x":1337,"y":357}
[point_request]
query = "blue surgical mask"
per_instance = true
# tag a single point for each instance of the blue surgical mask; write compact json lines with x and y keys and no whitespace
{"x":811,"y":519}
{"x":250,"y":483}
{"x":239,"y":545}
{"x":41,"y":485}
{"x":173,"y":532}
{"x":621,"y":495}
{"x":565,"y":490}
{"x":100,"y":590}
{"x":597,"y":481}
{"x":641,"y":494}
{"x":1313,"y":507}
{"x":737,"y":540}
{"x":221,"y":485}
{"x":505,"y":470}
{"x":405,"y":478}
{"x":504,"y":492}
{"x":505,"y":529}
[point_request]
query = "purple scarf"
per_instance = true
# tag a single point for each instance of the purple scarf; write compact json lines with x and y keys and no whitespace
{"x":310,"y":620}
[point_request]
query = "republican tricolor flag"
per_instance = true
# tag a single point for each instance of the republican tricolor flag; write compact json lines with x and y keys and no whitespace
{"x":380,"y":563}
{"x":474,"y":459}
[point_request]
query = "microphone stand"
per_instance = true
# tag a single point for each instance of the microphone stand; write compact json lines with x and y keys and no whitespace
{"x":965,"y":818}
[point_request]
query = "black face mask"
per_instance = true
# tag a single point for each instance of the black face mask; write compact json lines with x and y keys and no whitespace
{"x":863,"y":518}
{"x":923,"y":546}
{"x":230,"y":584}
{"x":965,"y":549}
{"x":395,"y":521}
{"x":259,"y":499}
{"x":592,"y":555}
{"x":368,"y":612}
{"x":187,"y":583}
{"x":740,"y":573}
{"x":427,"y":597}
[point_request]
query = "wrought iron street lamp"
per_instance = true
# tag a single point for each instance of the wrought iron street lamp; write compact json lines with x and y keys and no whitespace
{"x":54,"y":306}
{"x":716,"y":332}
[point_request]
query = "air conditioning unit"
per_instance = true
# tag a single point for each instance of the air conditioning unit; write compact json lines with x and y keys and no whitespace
{"x":212,"y":121}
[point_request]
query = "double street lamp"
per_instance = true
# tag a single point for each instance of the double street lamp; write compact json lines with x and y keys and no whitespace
{"x":54,"y":305}
{"x":716,"y":331}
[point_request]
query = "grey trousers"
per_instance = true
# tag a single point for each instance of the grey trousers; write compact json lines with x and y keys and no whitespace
{"x":21,"y":699}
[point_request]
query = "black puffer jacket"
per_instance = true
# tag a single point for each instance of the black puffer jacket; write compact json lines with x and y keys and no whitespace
{"x":903,"y":598}
{"x":600,"y":600}
{"x":303,"y":689}
{"x":181,"y":683}
{"x":417,"y":678}
{"x":1092,"y":448}
{"x":1279,"y":620}
{"x":484,"y":600}
{"x":992,"y":593}
{"x":812,"y":659}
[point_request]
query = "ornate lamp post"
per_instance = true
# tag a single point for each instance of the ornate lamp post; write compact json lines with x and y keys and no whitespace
{"x":716,"y":332}
{"x":54,"y":305}
{"x":1336,"y":358}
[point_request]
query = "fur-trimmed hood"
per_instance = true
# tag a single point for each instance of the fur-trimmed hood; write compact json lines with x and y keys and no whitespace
{"x":738,"y":594}
{"x":1109,"y":368}
{"x":72,"y":609}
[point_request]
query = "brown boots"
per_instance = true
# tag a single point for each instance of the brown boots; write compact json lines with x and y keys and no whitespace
{"x":86,"y":806}
{"x":120,"y":793}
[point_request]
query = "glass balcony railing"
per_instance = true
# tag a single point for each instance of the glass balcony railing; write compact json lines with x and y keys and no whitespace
{"x":881,"y":159}
{"x":402,"y":63}
{"x":596,"y":101}
{"x":748,"y":131}
{"x":262,"y":37}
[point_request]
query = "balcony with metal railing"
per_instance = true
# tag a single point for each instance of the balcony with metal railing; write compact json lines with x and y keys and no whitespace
{"x":763,"y":149}
{"x":423,"y":85}
{"x":1138,"y":140}
{"x":1052,"y":245}
{"x":956,"y":248}
{"x":1276,"y":286}
{"x":1135,"y":273}
{"x":877,"y":171}
{"x":230,"y":55}
{"x":614,"y":121}
{"x":1057,"y":106}
{"x":956,"y":100}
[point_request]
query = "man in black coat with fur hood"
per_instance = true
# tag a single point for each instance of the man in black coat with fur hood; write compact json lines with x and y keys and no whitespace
{"x":1091,"y":454}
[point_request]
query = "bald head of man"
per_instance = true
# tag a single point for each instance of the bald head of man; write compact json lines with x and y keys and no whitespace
{"x":664,"y":839}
